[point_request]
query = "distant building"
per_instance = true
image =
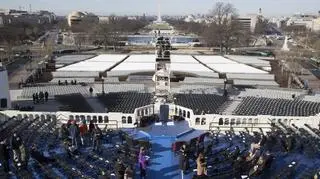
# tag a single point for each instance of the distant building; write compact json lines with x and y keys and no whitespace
{"x":316,"y":24}
{"x":104,"y":19}
{"x":248,"y":22}
{"x":305,"y":20}
{"x":77,"y":18}
{"x":11,"y":16}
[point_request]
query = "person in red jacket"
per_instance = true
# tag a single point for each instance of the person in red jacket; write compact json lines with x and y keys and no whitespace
{"x":83,"y":128}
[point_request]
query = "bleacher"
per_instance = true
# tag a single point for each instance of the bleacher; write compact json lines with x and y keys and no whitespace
{"x":195,"y":89}
{"x":285,"y":152}
{"x":276,"y":107}
{"x":53,"y":90}
{"x":201,"y":103}
{"x":120,"y":87}
{"x":125,"y":102}
{"x":271,"y":93}
{"x":45,"y":134}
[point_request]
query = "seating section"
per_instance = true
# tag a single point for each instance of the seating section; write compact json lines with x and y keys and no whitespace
{"x":79,"y":80}
{"x":285,"y":152}
{"x":120,"y":87}
{"x":201,"y":103}
{"x":50,"y":157}
{"x":270,"y":93}
{"x":277,"y":107}
{"x":125,"y":102}
{"x":55,"y":90}
{"x":195,"y":89}
{"x":192,"y":80}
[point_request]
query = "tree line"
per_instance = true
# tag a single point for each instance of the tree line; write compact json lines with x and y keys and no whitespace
{"x":223,"y":30}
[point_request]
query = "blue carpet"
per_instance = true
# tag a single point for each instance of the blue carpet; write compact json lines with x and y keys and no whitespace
{"x":164,"y":163}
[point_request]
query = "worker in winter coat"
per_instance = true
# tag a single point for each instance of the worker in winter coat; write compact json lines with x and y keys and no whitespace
{"x":83,"y":128}
{"x":73,"y":131}
{"x":201,"y":165}
{"x":4,"y":156}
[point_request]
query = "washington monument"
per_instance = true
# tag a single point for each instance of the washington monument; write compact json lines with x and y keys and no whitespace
{"x":159,"y":20}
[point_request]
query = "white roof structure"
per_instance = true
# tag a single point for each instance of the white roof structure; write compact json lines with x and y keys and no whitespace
{"x":141,"y":59}
{"x":255,"y":83}
{"x":107,"y":58}
{"x":269,"y":77}
{"x":189,"y":67}
{"x":98,"y":64}
{"x":214,"y":59}
{"x":134,"y":66}
{"x":250,"y":60}
{"x":183,"y":59}
{"x":146,"y":63}
{"x":235,"y":68}
{"x":67,"y":59}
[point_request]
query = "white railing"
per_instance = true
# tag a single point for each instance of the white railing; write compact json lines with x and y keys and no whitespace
{"x":200,"y":122}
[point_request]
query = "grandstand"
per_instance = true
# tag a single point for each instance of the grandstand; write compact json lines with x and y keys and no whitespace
{"x":229,"y":108}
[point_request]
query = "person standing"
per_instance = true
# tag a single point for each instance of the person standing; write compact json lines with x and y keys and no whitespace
{"x":201,"y":166}
{"x":120,"y":169}
{"x":16,"y":142}
{"x":97,"y":138}
{"x":83,"y":132}
{"x":184,"y":158}
{"x":73,"y":131}
{"x":46,"y":96}
{"x":37,"y":98}
{"x":128,"y":174}
{"x":34,"y":98}
{"x":91,"y":90}
{"x":4,"y":155}
{"x":41,"y":96}
{"x":143,"y":163}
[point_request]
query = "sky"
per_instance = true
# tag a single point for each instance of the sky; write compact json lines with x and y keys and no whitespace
{"x":168,"y":7}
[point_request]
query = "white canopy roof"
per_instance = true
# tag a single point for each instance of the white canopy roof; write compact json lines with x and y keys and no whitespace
{"x":235,"y":68}
{"x":214,"y":59}
{"x":99,"y":63}
{"x":183,"y":59}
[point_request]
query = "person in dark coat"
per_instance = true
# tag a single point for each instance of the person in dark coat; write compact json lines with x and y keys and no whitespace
{"x":97,"y":135}
{"x":34,"y":98}
{"x":37,"y":98}
{"x":73,"y":131}
{"x":16,"y":142}
{"x":120,"y":169}
{"x":46,"y":96}
{"x":91,"y":130}
{"x":184,"y":158}
{"x":91,"y":90}
{"x":4,"y":155}
{"x":41,"y":96}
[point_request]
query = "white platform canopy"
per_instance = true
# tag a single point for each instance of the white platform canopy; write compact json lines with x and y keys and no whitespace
{"x":269,"y":77}
{"x":98,"y":64}
{"x":141,"y":59}
{"x":235,"y":68}
{"x":107,"y":58}
{"x":183,"y":59}
{"x":250,"y":60}
{"x":214,"y":59}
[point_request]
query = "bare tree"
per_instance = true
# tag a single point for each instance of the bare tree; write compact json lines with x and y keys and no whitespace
{"x":223,"y":27}
{"x":79,"y":40}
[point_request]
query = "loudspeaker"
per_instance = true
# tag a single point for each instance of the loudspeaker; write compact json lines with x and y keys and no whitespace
{"x":3,"y":103}
{"x":164,"y":113}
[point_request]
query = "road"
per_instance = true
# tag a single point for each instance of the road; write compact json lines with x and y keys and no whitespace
{"x":19,"y":69}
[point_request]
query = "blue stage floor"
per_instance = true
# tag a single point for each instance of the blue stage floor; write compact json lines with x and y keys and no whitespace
{"x":164,"y":164}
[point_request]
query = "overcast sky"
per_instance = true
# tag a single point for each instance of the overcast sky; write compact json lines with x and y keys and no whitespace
{"x":169,"y":7}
